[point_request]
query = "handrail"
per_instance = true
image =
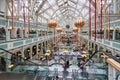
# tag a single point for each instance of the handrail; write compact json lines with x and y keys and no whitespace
{"x":109,"y":55}
{"x":90,"y":58}
{"x":18,"y":56}
{"x":114,"y":63}
{"x":36,"y":75}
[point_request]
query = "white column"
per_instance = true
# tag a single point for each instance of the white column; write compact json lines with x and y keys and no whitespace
{"x":42,"y":48}
{"x":93,"y":47}
{"x":8,"y":62}
{"x":31,"y":52}
{"x":21,"y":33}
{"x":37,"y":33}
{"x":7,"y":34}
{"x":26,"y":32}
{"x":111,"y":73}
{"x":37,"y":51}
{"x":114,"y":74}
{"x":114,"y":31}
{"x":113,"y":52}
{"x":114,"y":6}
{"x":15,"y":32}
{"x":45,"y":44}
{"x":98,"y":47}
{"x":22,"y":51}
{"x":3,"y":6}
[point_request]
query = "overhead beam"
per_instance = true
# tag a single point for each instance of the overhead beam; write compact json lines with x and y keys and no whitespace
{"x":40,"y":6}
{"x":76,"y":7}
{"x":44,"y":11}
{"x":43,"y":17}
{"x":65,"y":7}
{"x":84,"y":5}
{"x":111,"y":15}
{"x":32,"y":6}
{"x":92,"y":2}
{"x":16,"y":17}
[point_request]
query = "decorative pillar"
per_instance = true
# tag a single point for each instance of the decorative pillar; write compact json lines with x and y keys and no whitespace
{"x":26,"y":32}
{"x":47,"y":44}
{"x":111,"y":73}
{"x":46,"y":40}
{"x":114,"y":73}
{"x":7,"y":34}
{"x":31,"y":52}
{"x":15,"y":32}
{"x":41,"y":33}
{"x":21,"y":33}
{"x":114,"y":31}
{"x":115,"y":6}
{"x":113,"y":52}
{"x":94,"y":47}
{"x":8,"y":62}
{"x":37,"y":57}
{"x":37,"y":33}
{"x":41,"y":48}
{"x":22,"y":51}
{"x":98,"y":48}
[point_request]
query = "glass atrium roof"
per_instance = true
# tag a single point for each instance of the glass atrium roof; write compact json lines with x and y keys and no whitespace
{"x":63,"y":11}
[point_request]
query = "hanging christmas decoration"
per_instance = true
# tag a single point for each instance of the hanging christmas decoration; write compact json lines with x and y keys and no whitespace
{"x":52,"y":24}
{"x":75,"y":29}
{"x":59,"y":30}
{"x":79,"y":23}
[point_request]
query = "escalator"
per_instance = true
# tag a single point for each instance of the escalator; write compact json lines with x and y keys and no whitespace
{"x":28,"y":70}
{"x":15,"y":76}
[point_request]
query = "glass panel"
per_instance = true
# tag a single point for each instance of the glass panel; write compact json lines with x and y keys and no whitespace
{"x":55,"y":7}
{"x":52,"y":2}
{"x":45,"y":6}
{"x":46,"y":15}
{"x":71,"y":4}
{"x":50,"y":11}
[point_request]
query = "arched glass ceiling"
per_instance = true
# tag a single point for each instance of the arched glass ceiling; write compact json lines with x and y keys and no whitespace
{"x":64,"y":11}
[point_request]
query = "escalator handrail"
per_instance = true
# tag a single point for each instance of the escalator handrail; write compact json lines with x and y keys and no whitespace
{"x":109,"y":55}
{"x":90,"y":58}
{"x":18,"y":56}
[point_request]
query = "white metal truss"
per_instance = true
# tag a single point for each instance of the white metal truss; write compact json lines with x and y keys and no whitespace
{"x":64,"y":11}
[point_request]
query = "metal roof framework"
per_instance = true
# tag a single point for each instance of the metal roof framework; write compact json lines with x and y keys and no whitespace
{"x":63,"y":11}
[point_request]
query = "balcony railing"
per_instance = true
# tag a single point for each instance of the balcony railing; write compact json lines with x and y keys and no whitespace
{"x":107,"y":43}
